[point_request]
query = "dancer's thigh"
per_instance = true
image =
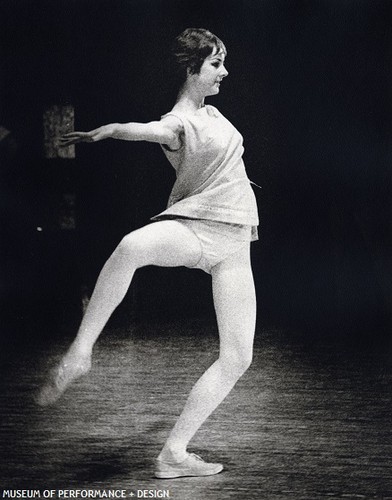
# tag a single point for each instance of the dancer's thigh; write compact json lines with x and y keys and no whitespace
{"x":163,"y":243}
{"x":235,"y":304}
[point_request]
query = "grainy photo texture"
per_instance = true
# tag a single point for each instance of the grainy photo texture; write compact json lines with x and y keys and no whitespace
{"x":196,"y":249}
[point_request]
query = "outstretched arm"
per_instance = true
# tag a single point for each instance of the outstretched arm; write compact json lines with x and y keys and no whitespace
{"x":166,"y":131}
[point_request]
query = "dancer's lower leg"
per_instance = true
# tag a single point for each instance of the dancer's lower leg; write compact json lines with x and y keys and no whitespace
{"x":207,"y":394}
{"x":110,"y":289}
{"x":112,"y":285}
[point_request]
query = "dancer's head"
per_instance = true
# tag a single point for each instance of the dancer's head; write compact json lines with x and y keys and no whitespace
{"x":191,"y":48}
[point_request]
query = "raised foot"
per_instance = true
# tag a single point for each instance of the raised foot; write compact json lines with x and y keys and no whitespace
{"x":61,"y":377}
{"x":193,"y":465}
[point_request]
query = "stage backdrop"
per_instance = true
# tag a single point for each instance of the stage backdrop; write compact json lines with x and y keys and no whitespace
{"x":309,"y":89}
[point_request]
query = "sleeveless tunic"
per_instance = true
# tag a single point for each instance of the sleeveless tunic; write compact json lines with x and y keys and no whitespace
{"x":211,"y":181}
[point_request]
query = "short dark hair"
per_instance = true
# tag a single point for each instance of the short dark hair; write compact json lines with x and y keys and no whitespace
{"x":190,"y":49}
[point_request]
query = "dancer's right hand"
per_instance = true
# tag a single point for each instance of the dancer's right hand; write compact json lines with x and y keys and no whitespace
{"x":73,"y":138}
{"x":93,"y":136}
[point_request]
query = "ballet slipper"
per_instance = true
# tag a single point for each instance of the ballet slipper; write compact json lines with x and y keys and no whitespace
{"x":61,"y":377}
{"x":193,"y":465}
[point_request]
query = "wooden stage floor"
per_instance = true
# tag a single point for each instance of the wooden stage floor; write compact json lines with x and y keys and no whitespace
{"x":311,"y":419}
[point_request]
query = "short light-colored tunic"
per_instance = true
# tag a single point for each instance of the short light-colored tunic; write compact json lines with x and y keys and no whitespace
{"x":211,"y":181}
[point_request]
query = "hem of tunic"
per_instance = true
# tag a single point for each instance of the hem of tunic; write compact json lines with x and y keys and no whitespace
{"x":237,"y":231}
{"x":210,"y":213}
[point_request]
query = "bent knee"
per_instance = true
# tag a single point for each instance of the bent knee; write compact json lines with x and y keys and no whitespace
{"x":132,"y":246}
{"x":244,"y":362}
{"x":237,"y":363}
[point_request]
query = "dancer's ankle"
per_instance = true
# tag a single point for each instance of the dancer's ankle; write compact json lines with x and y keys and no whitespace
{"x":173,"y":455}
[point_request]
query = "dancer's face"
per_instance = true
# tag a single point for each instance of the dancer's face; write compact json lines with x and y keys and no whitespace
{"x":211,"y":73}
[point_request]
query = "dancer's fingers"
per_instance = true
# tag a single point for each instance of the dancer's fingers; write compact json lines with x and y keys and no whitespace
{"x":74,"y":138}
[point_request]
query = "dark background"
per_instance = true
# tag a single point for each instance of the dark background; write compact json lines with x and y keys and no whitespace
{"x":309,"y":89}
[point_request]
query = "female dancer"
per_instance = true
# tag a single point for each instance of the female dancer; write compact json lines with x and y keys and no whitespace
{"x":209,"y":223}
